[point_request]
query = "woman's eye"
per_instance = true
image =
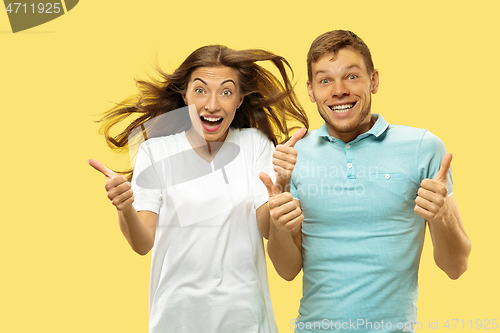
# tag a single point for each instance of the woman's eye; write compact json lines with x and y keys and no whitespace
{"x":352,"y":77}
{"x":324,"y":81}
{"x":227,"y":93}
{"x":199,"y":90}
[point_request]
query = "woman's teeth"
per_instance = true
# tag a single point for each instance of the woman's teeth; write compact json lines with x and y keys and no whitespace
{"x":211,"y":119}
{"x":342,"y":108}
{"x":211,"y":122}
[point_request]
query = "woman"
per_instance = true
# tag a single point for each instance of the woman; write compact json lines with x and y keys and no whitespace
{"x":195,"y":198}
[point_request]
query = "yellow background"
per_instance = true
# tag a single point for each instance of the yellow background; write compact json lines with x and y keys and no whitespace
{"x":65,"y":265}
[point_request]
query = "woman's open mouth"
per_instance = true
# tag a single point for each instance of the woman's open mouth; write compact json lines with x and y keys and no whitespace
{"x":211,"y":123}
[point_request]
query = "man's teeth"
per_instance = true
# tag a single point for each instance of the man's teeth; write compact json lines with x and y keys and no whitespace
{"x":342,"y":108}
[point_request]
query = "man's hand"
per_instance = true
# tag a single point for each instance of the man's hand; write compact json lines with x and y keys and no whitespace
{"x":284,"y":159}
{"x":118,"y":187}
{"x":285,"y":215}
{"x":431,"y":202}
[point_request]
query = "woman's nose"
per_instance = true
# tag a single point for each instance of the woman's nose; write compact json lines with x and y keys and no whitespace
{"x":212,"y":104}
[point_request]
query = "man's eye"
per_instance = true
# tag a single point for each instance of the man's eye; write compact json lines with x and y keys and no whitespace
{"x":352,"y":77}
{"x":199,"y":90}
{"x":324,"y":81}
{"x":227,"y":93}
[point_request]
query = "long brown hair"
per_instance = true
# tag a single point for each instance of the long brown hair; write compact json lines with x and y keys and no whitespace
{"x":268,"y":105}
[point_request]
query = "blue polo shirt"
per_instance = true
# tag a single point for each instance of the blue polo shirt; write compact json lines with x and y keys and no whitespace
{"x":362,"y":240}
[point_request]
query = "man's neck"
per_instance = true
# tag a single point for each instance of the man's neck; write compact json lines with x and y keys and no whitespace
{"x":350,"y":136}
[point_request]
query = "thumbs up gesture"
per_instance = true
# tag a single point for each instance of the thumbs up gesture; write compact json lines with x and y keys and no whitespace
{"x":118,"y":187}
{"x":285,"y":215}
{"x":433,"y":193}
{"x":284,"y":159}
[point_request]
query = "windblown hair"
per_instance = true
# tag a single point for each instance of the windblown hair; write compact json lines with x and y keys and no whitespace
{"x":269,"y":103}
{"x":333,"y":42}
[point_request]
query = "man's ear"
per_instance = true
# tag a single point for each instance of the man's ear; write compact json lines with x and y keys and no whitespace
{"x":310,"y":91}
{"x":375,"y":81}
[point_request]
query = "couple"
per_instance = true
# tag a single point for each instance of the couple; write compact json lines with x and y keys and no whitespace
{"x":354,"y":220}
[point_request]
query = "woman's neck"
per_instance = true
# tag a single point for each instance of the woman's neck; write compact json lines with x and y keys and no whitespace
{"x":205,"y":149}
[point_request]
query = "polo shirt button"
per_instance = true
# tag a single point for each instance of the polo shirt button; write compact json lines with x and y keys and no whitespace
{"x":348,"y":146}
{"x":387,"y":176}
{"x":349,"y":165}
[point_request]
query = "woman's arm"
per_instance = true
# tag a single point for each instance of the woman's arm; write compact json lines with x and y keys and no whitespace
{"x":285,"y":249}
{"x":263,"y":219}
{"x":138,"y":228}
{"x":280,"y":219}
{"x":285,"y":234}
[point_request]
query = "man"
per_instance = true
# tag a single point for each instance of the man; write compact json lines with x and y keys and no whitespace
{"x":365,"y":191}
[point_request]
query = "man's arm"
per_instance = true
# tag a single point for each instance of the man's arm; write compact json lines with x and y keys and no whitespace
{"x":451,"y":245}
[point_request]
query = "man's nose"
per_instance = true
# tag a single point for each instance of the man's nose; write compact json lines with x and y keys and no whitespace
{"x":339,"y":89}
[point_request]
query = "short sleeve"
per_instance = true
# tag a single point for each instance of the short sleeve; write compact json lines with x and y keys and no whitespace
{"x":430,"y":156}
{"x":145,"y":180}
{"x":263,"y":155}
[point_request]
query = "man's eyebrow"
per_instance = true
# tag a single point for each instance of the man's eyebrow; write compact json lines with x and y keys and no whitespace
{"x":346,"y":68}
{"x":321,"y":72}
{"x":353,"y":66}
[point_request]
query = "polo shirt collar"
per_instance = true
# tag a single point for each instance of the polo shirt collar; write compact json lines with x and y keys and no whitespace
{"x":377,"y":130}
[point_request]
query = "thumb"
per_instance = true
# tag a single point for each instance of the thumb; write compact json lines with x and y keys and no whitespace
{"x":102,"y":169}
{"x":271,"y":188}
{"x":442,"y":175}
{"x":296,"y":137}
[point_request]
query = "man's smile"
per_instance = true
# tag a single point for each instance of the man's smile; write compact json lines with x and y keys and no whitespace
{"x":342,"y":108}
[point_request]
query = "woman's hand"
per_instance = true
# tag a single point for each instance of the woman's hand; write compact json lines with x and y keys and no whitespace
{"x":283,"y":210}
{"x":138,"y":228}
{"x":118,"y":187}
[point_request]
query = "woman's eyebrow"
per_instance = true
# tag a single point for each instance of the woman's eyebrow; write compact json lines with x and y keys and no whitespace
{"x":229,"y":80}
{"x":200,"y":80}
{"x":225,"y":81}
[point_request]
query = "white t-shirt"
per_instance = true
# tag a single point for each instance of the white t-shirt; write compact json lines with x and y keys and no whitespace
{"x":208,"y":269}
